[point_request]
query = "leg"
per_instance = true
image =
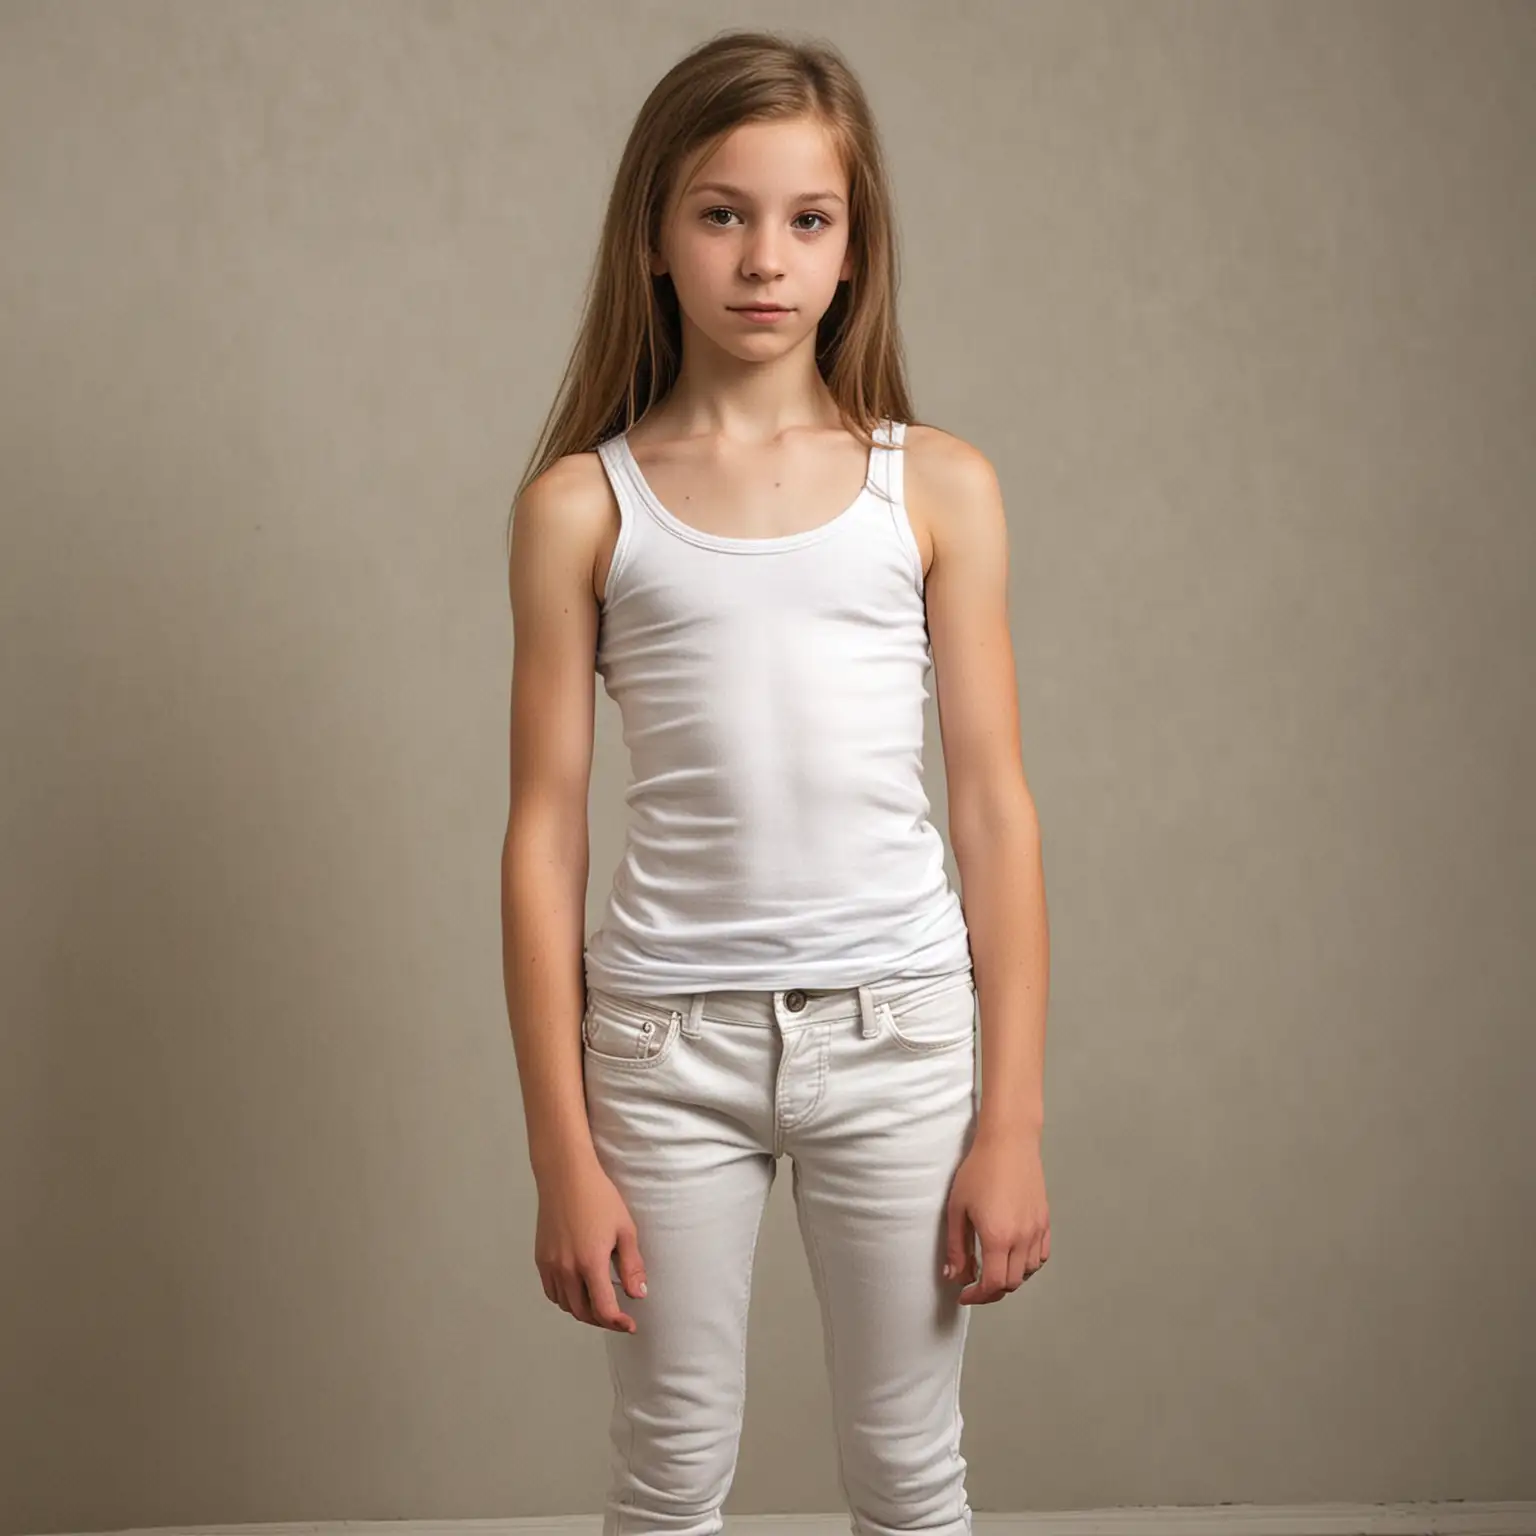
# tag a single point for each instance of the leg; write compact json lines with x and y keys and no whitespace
{"x":672,"y":1120}
{"x":872,"y":1174}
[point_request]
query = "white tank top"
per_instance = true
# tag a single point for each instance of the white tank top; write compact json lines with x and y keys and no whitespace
{"x":771,"y":692}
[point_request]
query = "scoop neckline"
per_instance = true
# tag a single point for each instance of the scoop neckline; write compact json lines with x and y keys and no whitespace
{"x":731,"y":542}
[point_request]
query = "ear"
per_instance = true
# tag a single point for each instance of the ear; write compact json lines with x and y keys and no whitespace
{"x":847,"y":270}
{"x":658,"y":264}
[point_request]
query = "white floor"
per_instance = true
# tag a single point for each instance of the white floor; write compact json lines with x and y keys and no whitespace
{"x":1452,"y":1518}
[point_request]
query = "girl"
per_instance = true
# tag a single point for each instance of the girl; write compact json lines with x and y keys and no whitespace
{"x":729,"y":517}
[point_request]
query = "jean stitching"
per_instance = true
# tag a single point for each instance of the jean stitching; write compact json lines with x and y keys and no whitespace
{"x":628,"y":1452}
{"x":965,"y":1503}
{"x":954,"y":1449}
{"x":929,"y":991}
{"x":741,"y":1333}
{"x":928,"y":1047}
{"x":831,"y":1341}
{"x":822,"y":1052}
{"x":637,"y":1061}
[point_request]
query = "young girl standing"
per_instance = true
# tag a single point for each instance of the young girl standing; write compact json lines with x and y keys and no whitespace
{"x":732,"y":516}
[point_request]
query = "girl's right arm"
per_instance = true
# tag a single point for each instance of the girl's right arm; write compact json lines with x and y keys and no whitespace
{"x":557,"y":527}
{"x":556,"y":524}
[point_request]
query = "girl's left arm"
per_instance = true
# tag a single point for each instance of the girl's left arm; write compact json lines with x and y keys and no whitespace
{"x":993,"y":826}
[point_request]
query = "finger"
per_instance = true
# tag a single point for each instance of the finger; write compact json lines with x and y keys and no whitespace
{"x":1018,"y":1268}
{"x":631,"y":1264}
{"x":955,"y":1249}
{"x":972,"y":1275}
{"x":574,"y":1296}
{"x":605,"y":1304}
{"x":993,"y":1273}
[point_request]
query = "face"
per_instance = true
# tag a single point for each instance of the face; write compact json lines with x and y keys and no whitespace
{"x":780,"y":237}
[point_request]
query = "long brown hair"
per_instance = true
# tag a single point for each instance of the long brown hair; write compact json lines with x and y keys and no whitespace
{"x":629,"y":347}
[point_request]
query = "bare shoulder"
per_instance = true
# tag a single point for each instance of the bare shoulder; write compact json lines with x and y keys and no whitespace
{"x":566,"y":519}
{"x":556,"y":526}
{"x":947,"y":481}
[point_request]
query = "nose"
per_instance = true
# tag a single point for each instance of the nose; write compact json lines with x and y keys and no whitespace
{"x":761,"y":260}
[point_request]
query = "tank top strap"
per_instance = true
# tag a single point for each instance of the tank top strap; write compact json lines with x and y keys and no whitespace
{"x":611,"y":452}
{"x":885,"y":459}
{"x":627,"y":494}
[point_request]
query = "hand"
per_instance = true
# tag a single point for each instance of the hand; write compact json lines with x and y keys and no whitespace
{"x":582,"y":1219}
{"x":998,"y":1196}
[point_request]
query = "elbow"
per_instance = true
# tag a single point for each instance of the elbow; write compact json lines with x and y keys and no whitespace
{"x":547,"y":832}
{"x":981,"y":821}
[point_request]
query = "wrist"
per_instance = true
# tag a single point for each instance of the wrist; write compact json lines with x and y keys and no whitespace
{"x":1016,"y":1128}
{"x":553,"y":1157}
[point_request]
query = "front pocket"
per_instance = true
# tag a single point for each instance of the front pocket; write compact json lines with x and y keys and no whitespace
{"x":626,"y":1033}
{"x":942,"y":1021}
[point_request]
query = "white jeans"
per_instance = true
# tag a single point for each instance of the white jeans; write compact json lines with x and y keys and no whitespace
{"x":872,"y":1092}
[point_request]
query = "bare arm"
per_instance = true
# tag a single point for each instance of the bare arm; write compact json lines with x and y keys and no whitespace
{"x":545,"y":858}
{"x":993,"y":824}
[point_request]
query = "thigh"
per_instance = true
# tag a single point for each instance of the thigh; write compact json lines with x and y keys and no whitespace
{"x":872,"y":1178}
{"x":696,"y":1181}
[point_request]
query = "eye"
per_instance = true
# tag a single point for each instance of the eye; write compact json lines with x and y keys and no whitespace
{"x":708,"y":215}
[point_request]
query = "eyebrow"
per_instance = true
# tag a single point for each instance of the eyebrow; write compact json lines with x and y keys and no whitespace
{"x":742,"y":195}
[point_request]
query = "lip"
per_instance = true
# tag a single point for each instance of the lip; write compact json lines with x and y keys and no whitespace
{"x":761,"y":316}
{"x":759,"y":309}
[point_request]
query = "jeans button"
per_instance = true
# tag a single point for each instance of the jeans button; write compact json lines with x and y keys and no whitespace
{"x":795,"y":1000}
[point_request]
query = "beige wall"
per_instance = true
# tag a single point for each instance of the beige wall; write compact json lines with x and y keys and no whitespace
{"x":1237,"y":297}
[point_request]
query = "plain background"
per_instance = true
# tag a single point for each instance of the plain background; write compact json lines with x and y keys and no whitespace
{"x":1238,"y":299}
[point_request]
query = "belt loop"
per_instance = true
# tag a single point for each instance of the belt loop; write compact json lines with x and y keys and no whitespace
{"x":692,"y":1024}
{"x":871,"y":1026}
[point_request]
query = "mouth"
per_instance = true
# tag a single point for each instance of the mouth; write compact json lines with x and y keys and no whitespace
{"x":760,"y":309}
